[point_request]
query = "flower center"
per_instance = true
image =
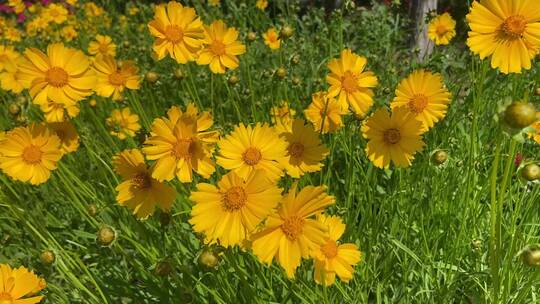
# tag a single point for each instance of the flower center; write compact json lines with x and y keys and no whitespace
{"x":296,"y":149}
{"x":184,"y":148}
{"x":418,"y":103}
{"x":117,"y":79}
{"x":217,"y":47}
{"x":56,"y":77}
{"x":61,"y":134}
{"x":103,"y":48}
{"x":252,"y":156}
{"x":514,"y":26}
{"x":392,"y":136}
{"x":441,"y":30}
{"x":5,"y":298}
{"x":348,"y":82}
{"x":141,"y":181}
{"x":174,"y":33}
{"x":32,"y":154}
{"x":292,"y":227}
{"x":330,"y":249}
{"x":234,"y":199}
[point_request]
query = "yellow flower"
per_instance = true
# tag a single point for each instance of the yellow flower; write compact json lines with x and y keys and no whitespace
{"x":535,"y":133}
{"x":221,"y":48}
{"x":506,"y":30}
{"x":425,"y":95}
{"x":396,"y":138}
{"x":69,"y":33}
{"x":350,"y":83}
{"x":7,"y":55}
{"x":139,"y":191}
{"x":333,"y":258}
{"x":72,"y":2}
{"x":69,"y":138}
{"x":178,"y":30}
{"x":123,"y":123}
{"x":291,"y":233}
{"x":12,"y":79}
{"x":282,"y":117}
{"x":103,"y":45}
{"x":113,"y":78}
{"x":17,"y":5}
{"x":92,"y":10}
{"x":63,"y":75}
{"x":16,"y":284}
{"x":56,"y":13}
{"x":304,"y":150}
{"x":261,"y":4}
{"x":12,"y":34}
{"x":214,"y":2}
{"x":271,"y":39}
{"x":228,"y":213}
{"x":182,"y":143}
{"x":442,"y":29}
{"x":324,"y":112}
{"x":133,"y":11}
{"x":58,"y":112}
{"x":250,"y":148}
{"x":28,"y":154}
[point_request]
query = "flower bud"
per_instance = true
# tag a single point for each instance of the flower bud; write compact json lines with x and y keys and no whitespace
{"x":208,"y":259}
{"x":179,"y":74}
{"x":106,"y":236}
{"x":251,"y":36}
{"x":296,"y":81}
{"x":233,"y":80}
{"x":439,"y":157}
{"x":531,"y":257}
{"x":14,"y":109}
{"x":531,"y":172}
{"x":163,"y":268}
{"x":92,"y":102}
{"x":47,"y":257}
{"x":281,"y":73}
{"x":152,"y":77}
{"x":519,"y":115}
{"x":287,"y":32}
{"x":92,"y":210}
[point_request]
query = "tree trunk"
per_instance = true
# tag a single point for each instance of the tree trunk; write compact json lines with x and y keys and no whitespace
{"x":422,"y":46}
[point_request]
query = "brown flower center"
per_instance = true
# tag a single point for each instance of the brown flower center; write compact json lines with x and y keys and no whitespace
{"x":5,"y":297}
{"x":57,"y":77}
{"x":296,"y":149}
{"x":514,"y":26}
{"x":142,"y":181}
{"x":418,"y":103}
{"x":103,"y":48}
{"x":292,"y":227}
{"x":184,"y":148}
{"x":441,"y":30}
{"x":174,"y":33}
{"x":32,"y":155}
{"x":330,"y":249}
{"x":117,"y":79}
{"x":218,"y":48}
{"x":391,"y":136}
{"x":348,"y":82}
{"x":252,"y":156}
{"x":234,"y":199}
{"x":61,"y":134}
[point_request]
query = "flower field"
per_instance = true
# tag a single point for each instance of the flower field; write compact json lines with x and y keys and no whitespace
{"x":269,"y":151}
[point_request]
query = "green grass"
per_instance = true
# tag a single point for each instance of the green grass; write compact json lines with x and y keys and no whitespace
{"x":425,"y":231}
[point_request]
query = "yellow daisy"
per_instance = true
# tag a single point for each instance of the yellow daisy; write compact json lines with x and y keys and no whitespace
{"x":535,"y":133}
{"x":261,"y":4}
{"x":58,"y":112}
{"x":324,"y":113}
{"x":221,"y":48}
{"x":56,"y":13}
{"x":12,"y":79}
{"x":182,"y":143}
{"x":350,"y":83}
{"x":69,"y":33}
{"x":291,"y":233}
{"x":228,"y":213}
{"x":123,"y":123}
{"x":393,"y":138}
{"x":8,"y":55}
{"x":29,"y":154}
{"x":304,"y":150}
{"x":63,"y":75}
{"x":333,"y":258}
{"x":442,"y":29}
{"x":113,"y":78}
{"x":139,"y":191}
{"x":425,"y":95}
{"x":250,"y":148}
{"x":69,"y":138}
{"x":178,"y":30}
{"x":271,"y":39}
{"x":506,"y":30}
{"x":282,"y":117}
{"x":103,"y":45}
{"x":19,"y":286}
